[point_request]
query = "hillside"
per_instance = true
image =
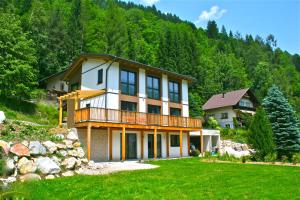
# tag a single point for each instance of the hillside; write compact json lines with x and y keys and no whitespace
{"x":50,"y":34}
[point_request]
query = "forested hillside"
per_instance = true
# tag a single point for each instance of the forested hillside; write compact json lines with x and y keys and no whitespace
{"x":41,"y":37}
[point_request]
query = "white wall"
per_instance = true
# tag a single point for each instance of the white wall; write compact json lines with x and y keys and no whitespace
{"x":98,"y":101}
{"x":218,"y":112}
{"x":142,"y":90}
{"x":55,"y":84}
{"x":165,"y":95}
{"x":185,"y":98}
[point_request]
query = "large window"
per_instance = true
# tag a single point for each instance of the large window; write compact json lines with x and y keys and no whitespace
{"x":174,"y":92}
{"x":154,"y":109}
{"x":175,"y":111}
{"x":128,"y":83}
{"x":175,"y":141}
{"x":224,"y":115}
{"x":100,"y":76}
{"x":153,"y":87}
{"x":129,"y":106}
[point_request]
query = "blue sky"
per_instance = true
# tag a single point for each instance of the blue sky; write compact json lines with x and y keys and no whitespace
{"x":257,"y":17}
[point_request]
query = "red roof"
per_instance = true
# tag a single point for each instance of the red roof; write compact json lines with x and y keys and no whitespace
{"x":224,"y":100}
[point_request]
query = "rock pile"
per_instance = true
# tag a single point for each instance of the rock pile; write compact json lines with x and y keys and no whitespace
{"x":234,"y":149}
{"x":35,"y":160}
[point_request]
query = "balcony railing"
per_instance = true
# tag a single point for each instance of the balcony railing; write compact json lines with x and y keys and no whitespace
{"x":129,"y":117}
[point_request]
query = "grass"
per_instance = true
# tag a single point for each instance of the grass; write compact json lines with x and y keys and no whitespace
{"x":175,"y":179}
{"x":39,"y":113}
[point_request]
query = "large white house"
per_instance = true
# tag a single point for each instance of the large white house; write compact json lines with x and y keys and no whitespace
{"x":128,"y":110}
{"x":226,"y":107}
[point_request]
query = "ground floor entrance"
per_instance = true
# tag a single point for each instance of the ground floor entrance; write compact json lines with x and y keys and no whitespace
{"x":131,"y":145}
{"x":151,"y":146}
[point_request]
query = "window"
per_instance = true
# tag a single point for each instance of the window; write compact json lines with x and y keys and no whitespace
{"x":224,"y":115}
{"x":174,"y":92}
{"x":175,"y":111}
{"x":62,"y":86}
{"x":153,"y":87}
{"x":100,"y":76}
{"x":153,"y":109}
{"x":74,"y":86}
{"x":128,"y":83}
{"x":88,"y":105}
{"x":128,"y":106}
{"x":211,"y":115}
{"x":175,"y":141}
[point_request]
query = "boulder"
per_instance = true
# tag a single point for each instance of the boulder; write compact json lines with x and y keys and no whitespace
{"x":61,"y":146}
{"x":63,"y":153}
{"x":72,"y":135}
{"x":5,"y":146}
{"x":59,"y":136}
{"x":22,"y":161}
{"x":68,"y":173}
{"x":50,"y":176}
{"x":2,"y":117}
{"x":20,"y":150}
{"x":36,"y":148}
{"x":80,"y":152}
{"x":47,"y":166}
{"x":56,"y":160}
{"x":28,"y":167}
{"x":69,"y":143}
{"x":78,"y":162}
{"x":84,"y":160}
{"x":77,"y":144}
{"x":9,"y":165}
{"x":69,"y":162}
{"x":8,"y":180}
{"x":73,"y":153}
{"x":51,"y":146}
{"x":30,"y":177}
{"x":25,"y":143}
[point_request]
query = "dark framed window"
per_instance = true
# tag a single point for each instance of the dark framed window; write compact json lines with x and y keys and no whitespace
{"x":175,"y":141}
{"x":153,"y":87}
{"x":175,"y":111}
{"x":62,"y":86}
{"x":128,"y":106}
{"x":224,"y":115}
{"x":100,"y":76}
{"x":174,"y":92}
{"x":88,"y":105}
{"x":154,"y":109}
{"x":74,"y":86}
{"x":128,"y":83}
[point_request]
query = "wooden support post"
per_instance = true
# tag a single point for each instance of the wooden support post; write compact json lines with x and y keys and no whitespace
{"x":155,"y":143}
{"x":142,"y":144}
{"x":123,"y":144}
{"x":189,"y":142}
{"x":76,"y":102}
{"x":89,"y":141}
{"x":201,"y":143}
{"x":180,"y":142}
{"x":110,"y":142}
{"x":168,"y":145}
{"x":60,"y":113}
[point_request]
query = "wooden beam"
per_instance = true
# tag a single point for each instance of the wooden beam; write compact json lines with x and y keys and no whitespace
{"x":110,"y":142}
{"x":168,"y":144}
{"x":89,"y":141}
{"x":189,"y":142}
{"x":180,"y":142}
{"x":142,"y":144}
{"x":60,"y":113}
{"x":201,"y":143}
{"x":155,"y":143}
{"x":123,"y":143}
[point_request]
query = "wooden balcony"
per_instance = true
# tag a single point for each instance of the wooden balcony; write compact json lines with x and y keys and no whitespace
{"x":134,"y":118}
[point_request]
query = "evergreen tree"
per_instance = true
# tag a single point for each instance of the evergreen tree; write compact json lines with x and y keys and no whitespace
{"x":284,"y":122}
{"x":212,"y":29}
{"x":261,"y":136}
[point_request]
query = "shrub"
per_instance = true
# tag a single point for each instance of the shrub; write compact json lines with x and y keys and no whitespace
{"x":296,"y":158}
{"x":207,"y":154}
{"x":212,"y":123}
{"x":2,"y":163}
{"x":284,"y":159}
{"x":270,"y":157}
{"x":244,"y":159}
{"x":195,"y":153}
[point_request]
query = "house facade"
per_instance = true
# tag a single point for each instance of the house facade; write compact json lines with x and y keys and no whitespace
{"x":55,"y":85}
{"x":226,"y":107}
{"x":123,"y":109}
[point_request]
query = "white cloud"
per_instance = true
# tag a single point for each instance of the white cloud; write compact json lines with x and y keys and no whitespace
{"x":213,"y":13}
{"x":149,"y":2}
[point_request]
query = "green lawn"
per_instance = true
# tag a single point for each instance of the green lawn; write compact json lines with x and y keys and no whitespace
{"x":176,"y":179}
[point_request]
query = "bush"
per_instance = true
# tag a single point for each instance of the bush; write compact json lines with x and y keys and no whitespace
{"x":2,"y":163}
{"x":296,"y":158}
{"x":284,"y":159}
{"x":207,"y":154}
{"x":270,"y":157}
{"x":244,"y":159}
{"x":227,"y":157}
{"x":195,"y":153}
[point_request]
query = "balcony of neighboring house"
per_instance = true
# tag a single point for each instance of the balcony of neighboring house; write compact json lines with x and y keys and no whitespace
{"x":134,"y":118}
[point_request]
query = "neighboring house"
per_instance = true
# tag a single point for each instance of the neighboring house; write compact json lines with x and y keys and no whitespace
{"x":123,"y":109}
{"x":228,"y":106}
{"x":55,"y":84}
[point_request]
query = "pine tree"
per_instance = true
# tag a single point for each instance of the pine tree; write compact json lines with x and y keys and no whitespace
{"x":261,"y":135}
{"x":212,"y":29}
{"x":285,"y":124}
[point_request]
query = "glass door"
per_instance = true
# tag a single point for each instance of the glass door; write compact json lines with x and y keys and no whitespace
{"x":151,"y":146}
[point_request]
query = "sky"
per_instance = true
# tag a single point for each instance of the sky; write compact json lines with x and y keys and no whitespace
{"x":256,"y":17}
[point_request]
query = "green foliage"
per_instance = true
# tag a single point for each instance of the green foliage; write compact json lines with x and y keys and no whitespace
{"x":2,"y":164}
{"x":270,"y":157}
{"x":260,"y":135}
{"x":237,"y":135}
{"x":195,"y":153}
{"x":212,"y":123}
{"x":284,"y":122}
{"x":296,"y":158}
